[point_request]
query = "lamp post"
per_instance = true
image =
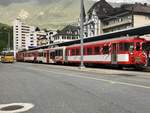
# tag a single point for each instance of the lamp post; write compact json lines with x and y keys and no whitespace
{"x":81,"y":35}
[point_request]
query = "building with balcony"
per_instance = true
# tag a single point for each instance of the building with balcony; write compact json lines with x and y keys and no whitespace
{"x":127,"y":16}
{"x":93,"y":24}
{"x":68,"y":33}
{"x":42,"y":38}
{"x":49,"y":35}
{"x":103,"y":18}
{"x":23,"y":35}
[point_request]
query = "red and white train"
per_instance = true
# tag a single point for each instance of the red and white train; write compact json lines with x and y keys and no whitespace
{"x":127,"y":51}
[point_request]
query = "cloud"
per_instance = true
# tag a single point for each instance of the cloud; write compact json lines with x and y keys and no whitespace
{"x":8,"y":2}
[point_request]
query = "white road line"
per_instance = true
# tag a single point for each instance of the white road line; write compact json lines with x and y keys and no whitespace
{"x":92,"y":78}
{"x":105,"y":80}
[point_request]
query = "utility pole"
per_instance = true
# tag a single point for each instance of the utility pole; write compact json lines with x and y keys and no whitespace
{"x":81,"y":33}
{"x":132,"y":13}
{"x":8,"y":46}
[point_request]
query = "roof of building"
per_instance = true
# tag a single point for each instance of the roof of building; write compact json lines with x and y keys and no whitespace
{"x":69,"y":28}
{"x":135,"y":8}
{"x":102,"y":9}
{"x":139,"y":31}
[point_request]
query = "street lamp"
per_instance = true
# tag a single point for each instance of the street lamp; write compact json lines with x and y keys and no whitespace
{"x":81,"y":34}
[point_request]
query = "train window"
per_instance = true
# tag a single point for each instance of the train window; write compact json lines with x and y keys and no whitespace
{"x":56,"y":52}
{"x":89,"y":51}
{"x":77,"y":52}
{"x":84,"y":51}
{"x":146,"y":46}
{"x":106,"y":50}
{"x":126,"y":47}
{"x":131,"y":48}
{"x":40,"y":54}
{"x":44,"y":54}
{"x":96,"y":50}
{"x":52,"y":55}
{"x":138,"y":46}
{"x":60,"y":52}
{"x":73,"y":52}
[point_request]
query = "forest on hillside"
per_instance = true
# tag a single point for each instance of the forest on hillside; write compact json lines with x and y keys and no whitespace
{"x":4,"y":30}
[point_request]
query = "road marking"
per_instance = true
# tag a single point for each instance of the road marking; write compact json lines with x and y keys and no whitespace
{"x":108,"y":81}
{"x":92,"y":78}
{"x":24,"y":107}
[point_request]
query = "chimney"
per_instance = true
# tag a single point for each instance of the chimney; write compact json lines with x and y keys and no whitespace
{"x":145,"y":4}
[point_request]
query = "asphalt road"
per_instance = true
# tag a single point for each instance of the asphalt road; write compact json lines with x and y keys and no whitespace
{"x":59,"y":89}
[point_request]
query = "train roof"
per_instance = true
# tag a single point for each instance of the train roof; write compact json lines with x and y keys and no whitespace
{"x":139,"y":31}
{"x":122,"y":39}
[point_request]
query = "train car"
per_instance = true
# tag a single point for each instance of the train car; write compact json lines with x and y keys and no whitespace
{"x":127,"y":51}
{"x":20,"y":56}
{"x":59,"y":55}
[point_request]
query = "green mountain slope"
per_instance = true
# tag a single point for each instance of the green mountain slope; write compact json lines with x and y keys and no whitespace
{"x":55,"y":14}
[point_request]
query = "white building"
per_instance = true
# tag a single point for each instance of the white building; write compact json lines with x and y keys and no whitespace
{"x":68,"y":33}
{"x":23,"y":35}
{"x":42,"y":39}
{"x":31,"y":38}
{"x":50,"y":36}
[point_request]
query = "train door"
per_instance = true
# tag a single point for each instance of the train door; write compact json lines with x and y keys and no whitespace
{"x":114,"y":54}
{"x":66,"y":55}
{"x":47,"y":56}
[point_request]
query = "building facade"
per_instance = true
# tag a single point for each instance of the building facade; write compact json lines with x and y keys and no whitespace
{"x":127,"y":16}
{"x":93,"y":23}
{"x":42,"y":38}
{"x":23,"y":35}
{"x":68,"y":33}
{"x":103,"y":18}
{"x":50,"y":36}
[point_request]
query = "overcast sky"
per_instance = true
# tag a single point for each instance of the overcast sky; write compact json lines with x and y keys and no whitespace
{"x":7,"y":2}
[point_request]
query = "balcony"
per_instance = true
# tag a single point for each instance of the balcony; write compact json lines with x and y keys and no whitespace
{"x":117,"y":24}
